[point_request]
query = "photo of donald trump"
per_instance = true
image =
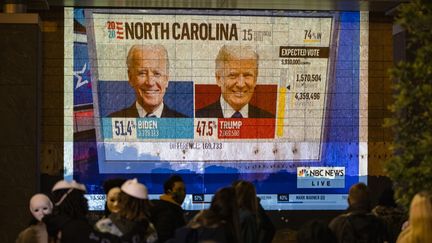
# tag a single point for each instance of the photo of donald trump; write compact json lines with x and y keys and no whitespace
{"x":236,"y":75}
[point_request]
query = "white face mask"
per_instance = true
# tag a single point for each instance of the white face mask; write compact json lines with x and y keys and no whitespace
{"x":40,"y":205}
{"x":112,"y":200}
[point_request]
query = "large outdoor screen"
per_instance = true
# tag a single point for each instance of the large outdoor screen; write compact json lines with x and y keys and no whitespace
{"x":277,"y":98}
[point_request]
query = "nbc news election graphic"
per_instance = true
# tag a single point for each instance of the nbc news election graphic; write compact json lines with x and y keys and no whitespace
{"x":278,"y":98}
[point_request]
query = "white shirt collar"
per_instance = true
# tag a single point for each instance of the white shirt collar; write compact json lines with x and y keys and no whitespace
{"x":228,"y":111}
{"x":143,"y":113}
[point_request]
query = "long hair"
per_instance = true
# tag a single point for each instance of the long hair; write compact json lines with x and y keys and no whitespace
{"x":223,"y":211}
{"x":133,"y":209}
{"x":246,"y":196}
{"x":420,"y":220}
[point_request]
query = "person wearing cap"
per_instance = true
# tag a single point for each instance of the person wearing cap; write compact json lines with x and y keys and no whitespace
{"x":167,"y":215}
{"x":68,"y":222}
{"x":132,"y":219}
{"x":40,"y":205}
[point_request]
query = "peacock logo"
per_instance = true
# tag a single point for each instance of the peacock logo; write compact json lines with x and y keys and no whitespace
{"x":302,"y":172}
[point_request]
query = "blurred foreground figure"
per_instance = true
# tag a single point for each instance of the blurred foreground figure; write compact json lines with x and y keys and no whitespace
{"x":419,"y":227}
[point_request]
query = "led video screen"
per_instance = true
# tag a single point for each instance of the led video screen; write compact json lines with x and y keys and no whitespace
{"x":277,"y":98}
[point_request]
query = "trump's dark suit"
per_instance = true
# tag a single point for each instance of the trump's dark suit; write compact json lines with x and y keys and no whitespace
{"x":215,"y":111}
{"x":132,"y":111}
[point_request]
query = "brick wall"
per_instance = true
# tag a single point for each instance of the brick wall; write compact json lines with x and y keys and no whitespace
{"x":380,"y":94}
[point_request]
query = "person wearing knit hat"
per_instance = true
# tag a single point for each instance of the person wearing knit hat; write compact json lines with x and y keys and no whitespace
{"x":132,"y":219}
{"x":40,"y":205}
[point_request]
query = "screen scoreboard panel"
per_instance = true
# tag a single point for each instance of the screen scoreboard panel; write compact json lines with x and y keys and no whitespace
{"x":277,"y":98}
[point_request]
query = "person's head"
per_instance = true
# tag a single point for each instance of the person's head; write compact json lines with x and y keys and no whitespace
{"x":236,"y":74}
{"x":112,"y":190}
{"x":148,"y":74}
{"x":69,"y":199}
{"x":40,"y":205}
{"x":246,"y":196}
{"x":224,"y":209}
{"x":175,"y":188}
{"x":224,"y":203}
{"x":133,"y":201}
{"x":359,"y":196}
{"x":386,"y":198}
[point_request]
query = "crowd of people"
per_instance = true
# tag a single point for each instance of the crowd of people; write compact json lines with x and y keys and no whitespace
{"x":386,"y":222}
{"x":235,"y":215}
